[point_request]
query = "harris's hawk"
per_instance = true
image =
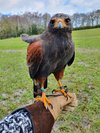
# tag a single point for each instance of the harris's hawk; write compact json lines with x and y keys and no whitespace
{"x":50,"y":52}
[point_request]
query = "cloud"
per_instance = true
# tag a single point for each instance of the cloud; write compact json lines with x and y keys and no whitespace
{"x":85,"y":5}
{"x":8,"y":5}
{"x":50,"y":6}
{"x":55,"y":6}
{"x":21,"y":5}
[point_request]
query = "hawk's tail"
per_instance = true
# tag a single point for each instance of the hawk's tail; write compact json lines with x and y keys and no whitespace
{"x":36,"y":89}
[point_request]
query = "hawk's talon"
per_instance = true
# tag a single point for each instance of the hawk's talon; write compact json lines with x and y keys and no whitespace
{"x":66,"y":89}
{"x":59,"y":88}
{"x":51,"y":106}
{"x":63,"y":91}
{"x":44,"y":100}
{"x":53,"y":91}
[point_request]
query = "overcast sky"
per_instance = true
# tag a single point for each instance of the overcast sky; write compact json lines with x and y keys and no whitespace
{"x":50,"y":6}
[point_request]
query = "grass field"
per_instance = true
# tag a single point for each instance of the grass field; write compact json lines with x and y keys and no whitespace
{"x":83,"y":78}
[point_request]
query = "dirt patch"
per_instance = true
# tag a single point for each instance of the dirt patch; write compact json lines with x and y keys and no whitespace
{"x":56,"y":127}
{"x":87,"y":50}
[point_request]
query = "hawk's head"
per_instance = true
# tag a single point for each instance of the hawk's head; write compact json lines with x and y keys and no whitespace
{"x":60,"y":23}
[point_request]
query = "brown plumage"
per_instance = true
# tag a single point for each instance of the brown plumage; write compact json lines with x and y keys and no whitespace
{"x":51,"y":51}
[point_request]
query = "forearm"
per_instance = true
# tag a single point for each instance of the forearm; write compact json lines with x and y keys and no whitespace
{"x":18,"y":121}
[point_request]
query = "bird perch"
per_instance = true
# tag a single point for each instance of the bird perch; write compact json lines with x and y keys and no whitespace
{"x":35,"y":118}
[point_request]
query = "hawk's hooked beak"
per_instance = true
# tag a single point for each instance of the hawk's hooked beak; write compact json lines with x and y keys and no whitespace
{"x":60,"y":25}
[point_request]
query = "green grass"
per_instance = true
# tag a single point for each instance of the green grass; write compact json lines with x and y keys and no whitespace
{"x":83,"y":78}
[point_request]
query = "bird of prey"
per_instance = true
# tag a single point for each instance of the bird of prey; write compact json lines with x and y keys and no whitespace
{"x":50,"y":52}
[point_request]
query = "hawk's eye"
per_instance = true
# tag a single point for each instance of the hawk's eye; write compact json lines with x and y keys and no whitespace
{"x":67,"y":20}
{"x":52,"y":21}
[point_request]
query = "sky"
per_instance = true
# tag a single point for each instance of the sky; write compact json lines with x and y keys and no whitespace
{"x":50,"y":6}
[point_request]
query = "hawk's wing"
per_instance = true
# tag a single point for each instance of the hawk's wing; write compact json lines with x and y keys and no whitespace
{"x":29,"y":39}
{"x":34,"y":57}
{"x":71,"y":60}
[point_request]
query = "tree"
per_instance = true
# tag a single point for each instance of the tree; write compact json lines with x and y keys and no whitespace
{"x":46,"y":18}
{"x":35,"y":23}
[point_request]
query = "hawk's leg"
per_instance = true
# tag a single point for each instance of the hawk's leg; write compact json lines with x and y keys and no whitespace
{"x":62,"y":90}
{"x":43,"y":98}
{"x":59,"y":75}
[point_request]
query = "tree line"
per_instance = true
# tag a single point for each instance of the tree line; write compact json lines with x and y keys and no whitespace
{"x":36,"y":23}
